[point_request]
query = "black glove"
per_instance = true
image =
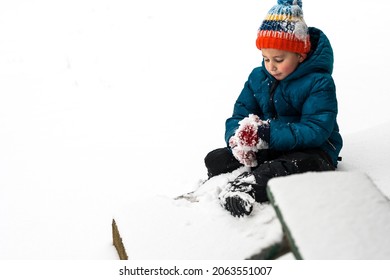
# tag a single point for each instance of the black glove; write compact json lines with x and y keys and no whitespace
{"x":238,"y":196}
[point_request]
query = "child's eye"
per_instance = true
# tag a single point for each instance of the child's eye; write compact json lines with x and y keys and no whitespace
{"x":278,"y":60}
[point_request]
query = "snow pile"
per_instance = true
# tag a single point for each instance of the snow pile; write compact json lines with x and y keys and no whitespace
{"x":160,"y":227}
{"x":334,"y":215}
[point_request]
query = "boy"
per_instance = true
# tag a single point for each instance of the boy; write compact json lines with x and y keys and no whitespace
{"x":284,"y":120}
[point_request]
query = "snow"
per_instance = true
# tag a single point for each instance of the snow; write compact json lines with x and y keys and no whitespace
{"x":346,"y":216}
{"x":104,"y":104}
{"x":196,"y":228}
{"x":368,"y":151}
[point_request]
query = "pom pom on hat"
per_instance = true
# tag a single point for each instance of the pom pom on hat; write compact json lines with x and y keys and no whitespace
{"x":284,"y":28}
{"x":290,"y":2}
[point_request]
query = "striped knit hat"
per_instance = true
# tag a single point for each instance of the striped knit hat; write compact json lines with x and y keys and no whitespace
{"x":284,"y":28}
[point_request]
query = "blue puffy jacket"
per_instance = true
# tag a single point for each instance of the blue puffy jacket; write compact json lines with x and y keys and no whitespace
{"x":303,"y":107}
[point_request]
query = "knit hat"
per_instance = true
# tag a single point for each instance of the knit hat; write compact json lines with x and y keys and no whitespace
{"x":284,"y":28}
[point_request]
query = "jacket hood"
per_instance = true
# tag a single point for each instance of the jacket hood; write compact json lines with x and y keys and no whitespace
{"x":320,"y":57}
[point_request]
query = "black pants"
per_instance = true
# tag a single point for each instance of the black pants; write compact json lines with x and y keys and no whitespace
{"x":270,"y":164}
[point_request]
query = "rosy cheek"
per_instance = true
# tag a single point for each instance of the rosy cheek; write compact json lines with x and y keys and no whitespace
{"x":288,"y":70}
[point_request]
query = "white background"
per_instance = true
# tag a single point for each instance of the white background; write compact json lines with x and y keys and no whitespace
{"x":103,"y":101}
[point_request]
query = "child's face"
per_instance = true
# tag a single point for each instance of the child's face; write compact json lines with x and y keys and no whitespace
{"x":279,"y":63}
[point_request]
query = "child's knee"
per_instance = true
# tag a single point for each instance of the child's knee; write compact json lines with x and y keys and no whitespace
{"x":220,"y":161}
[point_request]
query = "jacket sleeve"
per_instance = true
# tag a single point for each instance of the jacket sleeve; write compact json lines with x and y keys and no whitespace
{"x":318,"y":118}
{"x":245,"y":104}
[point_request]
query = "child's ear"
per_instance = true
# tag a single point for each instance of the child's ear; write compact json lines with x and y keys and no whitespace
{"x":301,"y":57}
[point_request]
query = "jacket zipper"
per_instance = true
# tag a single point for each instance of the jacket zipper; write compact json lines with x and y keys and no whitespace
{"x":271,"y":98}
